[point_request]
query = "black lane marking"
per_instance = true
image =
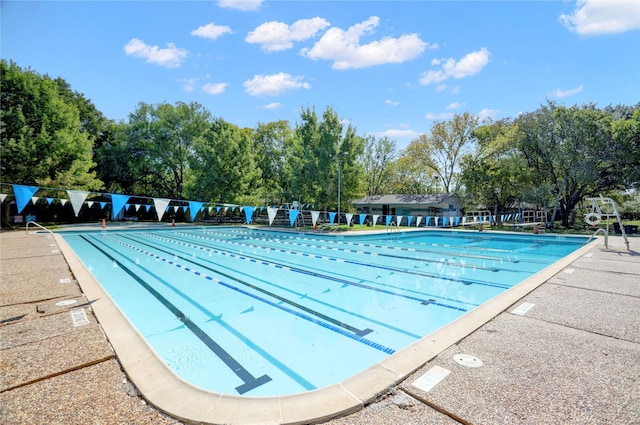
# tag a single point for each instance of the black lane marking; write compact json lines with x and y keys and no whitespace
{"x":337,"y":279}
{"x":359,"y":332}
{"x":250,"y":382}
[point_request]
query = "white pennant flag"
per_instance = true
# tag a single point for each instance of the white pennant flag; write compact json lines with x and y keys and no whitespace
{"x":399,"y":220}
{"x":34,"y":199}
{"x":77,"y":198}
{"x":418,"y":221}
{"x":161,"y":206}
{"x":89,"y":204}
{"x":63,"y":201}
{"x":375,"y":218}
{"x":3,"y":196}
{"x":271,"y":213}
{"x":348,"y":216}
{"x":314,"y":217}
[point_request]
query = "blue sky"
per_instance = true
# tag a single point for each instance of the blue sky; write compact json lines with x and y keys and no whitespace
{"x":390,"y":68}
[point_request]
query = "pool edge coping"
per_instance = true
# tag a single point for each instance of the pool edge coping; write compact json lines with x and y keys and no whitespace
{"x":158,"y":384}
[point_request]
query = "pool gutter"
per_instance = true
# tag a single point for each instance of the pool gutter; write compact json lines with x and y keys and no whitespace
{"x":169,"y":393}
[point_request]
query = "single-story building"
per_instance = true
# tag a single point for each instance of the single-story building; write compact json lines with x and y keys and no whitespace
{"x":434,"y":205}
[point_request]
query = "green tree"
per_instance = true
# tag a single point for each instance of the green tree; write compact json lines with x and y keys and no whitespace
{"x":571,"y":151}
{"x":162,"y":140}
{"x":42,"y":142}
{"x":626,"y":142}
{"x":443,"y":149}
{"x":312,"y":159}
{"x":496,"y":174}
{"x":378,"y":164}
{"x":224,"y":166}
{"x":270,"y":141}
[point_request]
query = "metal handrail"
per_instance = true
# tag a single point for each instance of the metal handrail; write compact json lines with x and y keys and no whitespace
{"x":39,"y":225}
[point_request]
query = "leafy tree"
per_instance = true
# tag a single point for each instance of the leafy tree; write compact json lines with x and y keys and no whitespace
{"x":378,"y":164}
{"x":411,"y":178}
{"x":569,"y":149}
{"x":442,"y":150}
{"x":162,"y":139}
{"x":270,"y":141}
{"x":626,"y":144}
{"x":496,"y":174}
{"x":224,"y":165}
{"x":42,"y":142}
{"x":313,"y":155}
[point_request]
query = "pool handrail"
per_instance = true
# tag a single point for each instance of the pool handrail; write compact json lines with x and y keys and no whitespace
{"x":36,"y":224}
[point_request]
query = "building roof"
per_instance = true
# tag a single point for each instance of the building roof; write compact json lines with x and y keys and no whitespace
{"x":430,"y":199}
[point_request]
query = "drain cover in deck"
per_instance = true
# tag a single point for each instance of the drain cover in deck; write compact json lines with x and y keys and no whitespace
{"x":468,"y":360}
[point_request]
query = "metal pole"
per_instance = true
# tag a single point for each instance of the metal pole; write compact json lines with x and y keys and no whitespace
{"x":339,"y":155}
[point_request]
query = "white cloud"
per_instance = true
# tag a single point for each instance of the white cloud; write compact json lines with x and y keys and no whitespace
{"x":211,"y":31}
{"x":455,"y":105}
{"x":560,"y":93}
{"x":397,"y":134}
{"x":391,"y":102}
{"x":596,"y":17}
{"x":487,"y":113}
{"x":274,"y":85}
{"x":214,"y":88}
{"x":442,"y":116}
{"x":243,"y":5}
{"x":470,"y":64}
{"x":189,"y":84}
{"x":170,"y":57}
{"x":272,"y":105}
{"x":346,"y":52}
{"x":275,"y":36}
{"x":441,"y":88}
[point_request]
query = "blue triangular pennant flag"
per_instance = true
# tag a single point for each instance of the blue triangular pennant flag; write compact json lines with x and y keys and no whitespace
{"x":117,"y":202}
{"x":388,"y":220}
{"x":409,"y":220}
{"x":332,"y":217}
{"x":362,"y":218}
{"x":194,"y":207}
{"x":248,"y":213}
{"x":23,"y":195}
{"x":293,"y":215}
{"x":102,"y":205}
{"x":49,"y":200}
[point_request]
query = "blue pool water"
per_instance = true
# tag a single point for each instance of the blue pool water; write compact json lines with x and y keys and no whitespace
{"x":263,"y":313}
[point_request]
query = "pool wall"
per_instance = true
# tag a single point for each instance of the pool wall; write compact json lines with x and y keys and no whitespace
{"x":169,"y":393}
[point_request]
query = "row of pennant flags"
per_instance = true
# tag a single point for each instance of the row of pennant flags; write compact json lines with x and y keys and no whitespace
{"x":78,"y":198}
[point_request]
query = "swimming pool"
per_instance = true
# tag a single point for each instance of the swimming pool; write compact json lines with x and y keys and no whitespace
{"x":252,"y":312}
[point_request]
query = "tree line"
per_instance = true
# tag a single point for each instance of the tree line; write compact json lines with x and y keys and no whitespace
{"x":552,"y":157}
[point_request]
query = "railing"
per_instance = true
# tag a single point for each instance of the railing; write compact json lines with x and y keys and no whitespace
{"x":36,"y":224}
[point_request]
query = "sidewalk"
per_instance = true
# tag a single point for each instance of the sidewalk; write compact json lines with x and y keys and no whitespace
{"x":572,"y":358}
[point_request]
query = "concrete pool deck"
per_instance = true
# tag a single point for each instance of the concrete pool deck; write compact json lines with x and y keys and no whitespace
{"x":572,"y":358}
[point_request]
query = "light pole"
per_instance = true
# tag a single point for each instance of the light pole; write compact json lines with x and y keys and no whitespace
{"x":340,"y":156}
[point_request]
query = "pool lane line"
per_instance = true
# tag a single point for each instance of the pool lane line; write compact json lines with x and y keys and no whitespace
{"x":249,"y":381}
{"x":264,"y":262}
{"x":369,"y":245}
{"x":359,"y":332}
{"x":414,"y":250}
{"x":299,"y":294}
{"x":340,"y":260}
{"x":308,"y":318}
{"x":500,"y":259}
{"x":456,"y":247}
